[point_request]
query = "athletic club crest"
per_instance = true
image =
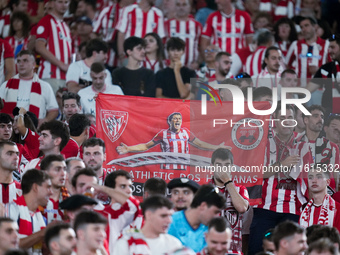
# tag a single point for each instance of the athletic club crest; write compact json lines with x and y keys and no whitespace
{"x":113,"y":123}
{"x":232,"y":216}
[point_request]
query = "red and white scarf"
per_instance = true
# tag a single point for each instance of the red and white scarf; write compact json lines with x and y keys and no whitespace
{"x":327,"y":213}
{"x":136,"y":242}
{"x":264,"y":76}
{"x":11,"y":95}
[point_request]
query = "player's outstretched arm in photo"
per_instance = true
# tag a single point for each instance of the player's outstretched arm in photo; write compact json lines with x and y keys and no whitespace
{"x":123,"y":148}
{"x":207,"y":146}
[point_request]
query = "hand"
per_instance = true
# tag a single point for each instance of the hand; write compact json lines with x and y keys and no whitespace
{"x":224,"y":146}
{"x":41,"y":121}
{"x":178,"y":65}
{"x":222,"y":174}
{"x":291,"y":161}
{"x":64,"y":67}
{"x":194,"y":65}
{"x":22,"y":111}
{"x":122,"y":149}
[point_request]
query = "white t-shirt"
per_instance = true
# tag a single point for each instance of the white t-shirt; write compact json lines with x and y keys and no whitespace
{"x":87,"y":102}
{"x":79,"y":72}
{"x":161,"y":245}
{"x":48,"y":100}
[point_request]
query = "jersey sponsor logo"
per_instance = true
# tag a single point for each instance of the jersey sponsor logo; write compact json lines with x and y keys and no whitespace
{"x":62,"y":37}
{"x":113,"y":123}
{"x":40,"y":30}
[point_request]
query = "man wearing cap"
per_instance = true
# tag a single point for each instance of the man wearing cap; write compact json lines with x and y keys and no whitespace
{"x":26,"y":90}
{"x":84,"y":29}
{"x":182,"y":192}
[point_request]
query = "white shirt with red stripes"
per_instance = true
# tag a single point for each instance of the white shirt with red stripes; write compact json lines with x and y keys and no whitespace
{"x":135,"y":22}
{"x":228,"y":31}
{"x":190,"y":32}
{"x":153,"y":65}
{"x":10,"y":192}
{"x":284,"y":8}
{"x":174,"y":142}
{"x":105,"y":26}
{"x":5,"y":22}
{"x":58,"y":39}
{"x":297,"y":56}
{"x":16,"y":42}
{"x":281,"y":193}
{"x":254,"y":61}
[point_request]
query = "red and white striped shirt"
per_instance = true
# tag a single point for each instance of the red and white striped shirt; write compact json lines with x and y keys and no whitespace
{"x":105,"y":25}
{"x":135,"y":22}
{"x":6,"y":51}
{"x":10,"y":191}
{"x":281,"y":193}
{"x":15,"y":43}
{"x":58,"y":39}
{"x":284,"y":8}
{"x":283,"y":46}
{"x":190,"y":32}
{"x":174,"y":142}
{"x":228,"y":31}
{"x":254,"y":61}
{"x":297,"y":56}
{"x":5,"y":22}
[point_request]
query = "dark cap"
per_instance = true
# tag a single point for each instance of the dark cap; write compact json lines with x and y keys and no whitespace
{"x":85,"y":19}
{"x":76,"y":201}
{"x":183,"y":182}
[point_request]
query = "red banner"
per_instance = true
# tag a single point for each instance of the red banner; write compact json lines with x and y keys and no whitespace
{"x":139,"y":138}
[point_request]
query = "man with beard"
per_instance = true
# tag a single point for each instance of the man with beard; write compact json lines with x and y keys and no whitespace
{"x":271,"y":71}
{"x":36,"y":189}
{"x":332,"y":128}
{"x":290,"y":239}
{"x":223,"y":63}
{"x":182,"y":192}
{"x":328,"y":77}
{"x":94,"y":156}
{"x":55,"y":167}
{"x":324,"y":151}
{"x":60,"y":239}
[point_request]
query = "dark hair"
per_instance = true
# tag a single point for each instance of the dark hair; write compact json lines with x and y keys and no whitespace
{"x":320,"y":231}
{"x":110,"y":180}
{"x":26,"y":23}
{"x":278,"y":108}
{"x":84,"y":171}
{"x":54,"y":232}
{"x":222,"y":153}
{"x":327,"y":32}
{"x":160,"y":51}
{"x":156,"y":202}
{"x":267,"y":53}
{"x":289,"y":71}
{"x":3,"y":143}
{"x":14,"y":2}
{"x":313,"y":108}
{"x":286,"y":229}
{"x":16,"y":252}
{"x":263,"y":14}
{"x":323,"y":245}
{"x":172,"y":115}
{"x":331,"y":118}
{"x":57,"y":129}
{"x":97,"y":67}
{"x":96,"y":45}
{"x":6,"y":219}
{"x":94,"y":141}
{"x":155,"y":186}
{"x":71,"y":95}
{"x":261,"y":92}
{"x":32,"y":176}
{"x":264,"y":37}
{"x":208,"y":193}
{"x":30,"y":122}
{"x":335,"y":37}
{"x":131,"y":42}
{"x":5,"y":118}
{"x":91,"y":3}
{"x":175,"y":43}
{"x":311,"y":19}
{"x":220,"y":224}
{"x":47,"y":161}
{"x":88,"y":217}
{"x":220,"y":54}
{"x":78,"y":123}
{"x":292,"y":34}
{"x":26,"y":52}
{"x":229,"y":81}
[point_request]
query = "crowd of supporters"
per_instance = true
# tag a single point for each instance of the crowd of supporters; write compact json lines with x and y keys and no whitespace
{"x":56,"y":57}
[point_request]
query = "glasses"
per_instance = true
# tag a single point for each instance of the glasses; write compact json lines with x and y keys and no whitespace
{"x":211,"y":51}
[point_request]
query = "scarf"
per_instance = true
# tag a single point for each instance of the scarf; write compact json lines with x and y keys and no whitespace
{"x":136,"y":242}
{"x":11,"y":95}
{"x":265,"y":75}
{"x":327,"y":213}
{"x":52,"y":211}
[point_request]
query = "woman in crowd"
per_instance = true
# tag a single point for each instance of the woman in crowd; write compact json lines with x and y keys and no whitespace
{"x":154,"y":52}
{"x":285,"y":33}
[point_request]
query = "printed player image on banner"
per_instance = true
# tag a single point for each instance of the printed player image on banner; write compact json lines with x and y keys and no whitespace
{"x":171,"y":138}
